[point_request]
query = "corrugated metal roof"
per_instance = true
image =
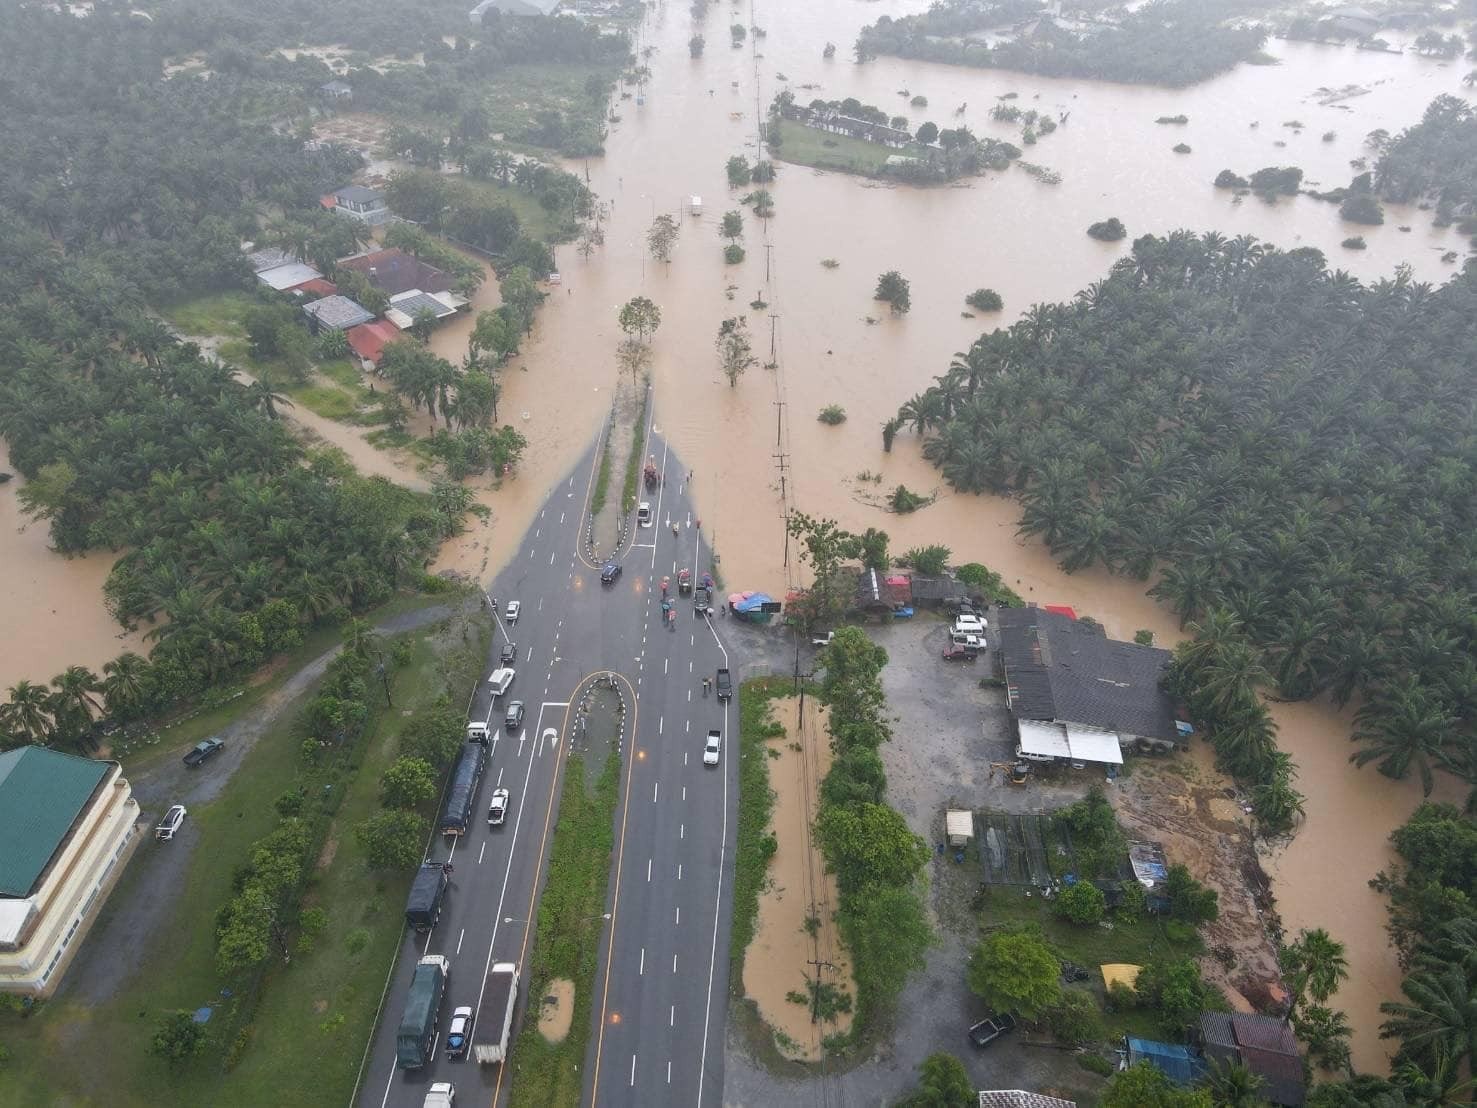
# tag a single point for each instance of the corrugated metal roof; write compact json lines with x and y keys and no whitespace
{"x":1017,"y":1098}
{"x":338,"y":313}
{"x":42,"y":792}
{"x":283,"y":277}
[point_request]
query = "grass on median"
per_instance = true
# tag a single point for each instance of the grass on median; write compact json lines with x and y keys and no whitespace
{"x":602,"y":480}
{"x":567,"y":938}
{"x":638,"y":449}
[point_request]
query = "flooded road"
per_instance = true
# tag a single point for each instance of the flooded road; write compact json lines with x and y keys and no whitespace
{"x":1006,"y":231}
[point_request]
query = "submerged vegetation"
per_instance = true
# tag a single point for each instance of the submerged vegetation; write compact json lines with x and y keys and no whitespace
{"x":1173,"y":42}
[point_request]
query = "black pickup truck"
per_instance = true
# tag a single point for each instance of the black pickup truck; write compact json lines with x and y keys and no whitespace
{"x":991,"y":1028}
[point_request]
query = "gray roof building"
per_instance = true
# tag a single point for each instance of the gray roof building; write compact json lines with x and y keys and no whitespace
{"x":336,"y":313}
{"x":1062,"y":670}
{"x":269,"y":258}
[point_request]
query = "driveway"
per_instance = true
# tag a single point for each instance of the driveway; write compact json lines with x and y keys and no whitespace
{"x":145,"y":895}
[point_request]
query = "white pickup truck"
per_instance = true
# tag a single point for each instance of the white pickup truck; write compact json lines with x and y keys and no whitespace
{"x":822,"y":638}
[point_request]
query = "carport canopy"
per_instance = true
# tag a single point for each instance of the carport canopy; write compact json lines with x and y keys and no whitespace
{"x":1062,"y":740}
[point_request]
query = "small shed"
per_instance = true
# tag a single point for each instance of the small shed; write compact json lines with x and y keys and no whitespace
{"x":336,"y":90}
{"x":1176,"y":1062}
{"x":958,"y":826}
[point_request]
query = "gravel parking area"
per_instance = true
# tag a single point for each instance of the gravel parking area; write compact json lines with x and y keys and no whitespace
{"x":947,"y":730}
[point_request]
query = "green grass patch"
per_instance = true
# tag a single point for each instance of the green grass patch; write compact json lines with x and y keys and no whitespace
{"x":293,"y":1028}
{"x":219,"y":313}
{"x":803,"y":145}
{"x":387,"y":438}
{"x":516,"y":94}
{"x":328,"y":401}
{"x":755,"y":806}
{"x":1134,"y":941}
{"x":533,"y":217}
{"x":602,"y":478}
{"x":638,"y":448}
{"x":567,"y":938}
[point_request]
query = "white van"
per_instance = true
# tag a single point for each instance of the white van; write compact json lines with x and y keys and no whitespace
{"x":643,"y":513}
{"x":500,"y":680}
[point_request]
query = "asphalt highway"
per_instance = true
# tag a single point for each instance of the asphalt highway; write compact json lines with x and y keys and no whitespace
{"x":660,"y":988}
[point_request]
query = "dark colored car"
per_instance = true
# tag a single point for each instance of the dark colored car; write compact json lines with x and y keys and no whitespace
{"x":203,"y":751}
{"x":609,"y":572}
{"x":514,"y":719}
{"x":991,"y":1028}
{"x":958,"y":654}
{"x":508,"y":654}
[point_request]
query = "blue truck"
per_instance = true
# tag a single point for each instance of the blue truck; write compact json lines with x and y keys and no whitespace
{"x":461,"y":797}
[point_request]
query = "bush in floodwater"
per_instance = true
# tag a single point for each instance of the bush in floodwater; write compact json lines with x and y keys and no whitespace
{"x":1173,"y":119}
{"x":733,"y":253}
{"x":1362,"y":207}
{"x":1354,"y":243}
{"x":1108,"y":230}
{"x":1181,"y":148}
{"x":830,"y":263}
{"x":1225,"y":179}
{"x":919,"y":101}
{"x":832,"y":414}
{"x":985,"y":300}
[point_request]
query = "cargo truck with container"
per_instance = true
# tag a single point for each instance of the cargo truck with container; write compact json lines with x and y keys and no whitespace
{"x":495,"y":1013}
{"x":461,"y":797}
{"x":427,"y":892}
{"x":417,"y":1030}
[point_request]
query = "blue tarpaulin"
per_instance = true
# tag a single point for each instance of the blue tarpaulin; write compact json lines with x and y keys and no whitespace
{"x":1176,"y":1062}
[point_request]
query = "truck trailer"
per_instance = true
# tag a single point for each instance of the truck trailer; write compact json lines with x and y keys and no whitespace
{"x":422,"y":1006}
{"x":495,"y":1013}
{"x":427,"y":891}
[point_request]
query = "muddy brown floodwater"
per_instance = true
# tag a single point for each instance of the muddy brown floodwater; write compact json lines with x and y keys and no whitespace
{"x":1006,"y":231}
{"x":54,"y":614}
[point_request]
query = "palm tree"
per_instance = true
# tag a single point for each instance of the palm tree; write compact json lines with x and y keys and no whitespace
{"x":260,"y":394}
{"x":1232,"y":1085}
{"x":1405,"y":724}
{"x":26,"y":713}
{"x":502,"y":166}
{"x":123,"y":687}
{"x":1438,"y":1022}
{"x":1230,"y":679}
{"x":1314,"y":964}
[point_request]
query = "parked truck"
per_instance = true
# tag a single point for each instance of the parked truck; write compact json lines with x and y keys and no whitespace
{"x":422,"y":1006}
{"x":456,"y":816}
{"x":725,"y":685}
{"x":427,"y":891}
{"x":495,"y":1014}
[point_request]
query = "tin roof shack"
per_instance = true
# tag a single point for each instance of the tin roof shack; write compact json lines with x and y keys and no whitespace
{"x":1018,"y":1098}
{"x":884,"y":595}
{"x":1264,"y":1045}
{"x":958,"y":826}
{"x":935,"y":591}
{"x":1076,"y":695}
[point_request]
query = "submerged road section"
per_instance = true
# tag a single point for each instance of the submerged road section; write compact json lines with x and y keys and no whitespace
{"x":660,"y":989}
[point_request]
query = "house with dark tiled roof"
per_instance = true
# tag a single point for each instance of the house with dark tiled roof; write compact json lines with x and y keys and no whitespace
{"x":393,"y":271}
{"x":1076,"y":695}
{"x":1264,"y":1045}
{"x":359,"y":202}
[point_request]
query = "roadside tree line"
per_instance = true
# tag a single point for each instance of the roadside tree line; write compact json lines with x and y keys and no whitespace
{"x":877,"y":860}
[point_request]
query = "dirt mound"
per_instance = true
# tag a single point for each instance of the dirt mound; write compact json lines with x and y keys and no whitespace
{"x":556,"y":1010}
{"x":1184,"y":806}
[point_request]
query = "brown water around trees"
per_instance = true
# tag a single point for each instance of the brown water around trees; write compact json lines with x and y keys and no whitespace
{"x":1006,"y":231}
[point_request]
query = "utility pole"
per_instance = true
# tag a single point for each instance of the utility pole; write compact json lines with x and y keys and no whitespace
{"x":815,"y":994}
{"x":768,"y":254}
{"x":773,"y":320}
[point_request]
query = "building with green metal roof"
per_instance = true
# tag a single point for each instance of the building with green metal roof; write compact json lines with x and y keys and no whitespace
{"x":66,"y":825}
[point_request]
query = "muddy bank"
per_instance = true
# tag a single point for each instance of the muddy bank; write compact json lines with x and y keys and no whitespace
{"x":797,"y":907}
